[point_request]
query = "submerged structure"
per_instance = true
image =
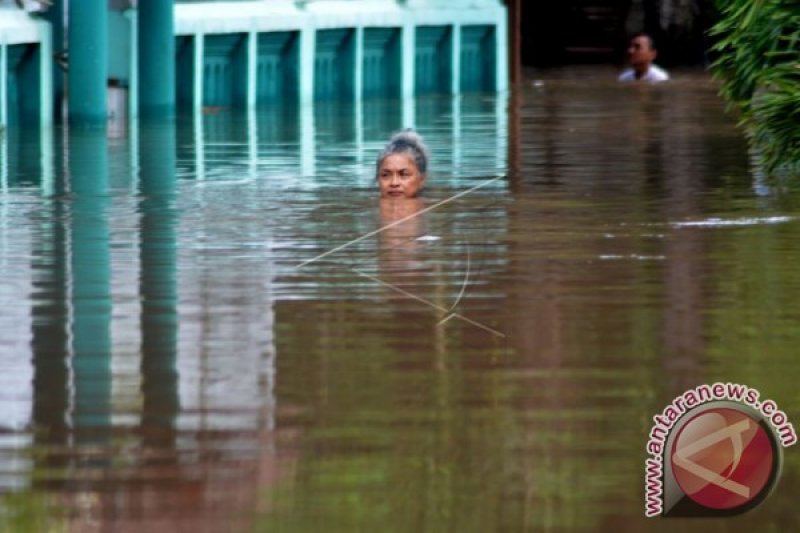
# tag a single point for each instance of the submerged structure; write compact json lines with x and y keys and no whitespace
{"x":159,"y":56}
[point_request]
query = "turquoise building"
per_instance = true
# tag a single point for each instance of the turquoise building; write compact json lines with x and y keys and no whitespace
{"x":153,"y":57}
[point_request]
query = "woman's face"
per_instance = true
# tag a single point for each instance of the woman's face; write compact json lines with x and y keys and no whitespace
{"x":399,"y":177}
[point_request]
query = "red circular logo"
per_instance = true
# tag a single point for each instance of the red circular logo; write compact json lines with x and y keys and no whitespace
{"x":723,"y":458}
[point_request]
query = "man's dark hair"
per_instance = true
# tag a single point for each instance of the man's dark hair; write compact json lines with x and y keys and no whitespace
{"x":647,"y":36}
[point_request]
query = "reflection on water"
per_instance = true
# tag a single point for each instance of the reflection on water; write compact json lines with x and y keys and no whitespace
{"x":205,"y":328}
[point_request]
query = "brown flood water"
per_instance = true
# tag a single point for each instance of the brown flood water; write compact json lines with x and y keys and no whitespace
{"x":180,"y":352}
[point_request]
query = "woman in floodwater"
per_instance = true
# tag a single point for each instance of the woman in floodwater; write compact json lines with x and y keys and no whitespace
{"x":402,"y":165}
{"x":400,"y":171}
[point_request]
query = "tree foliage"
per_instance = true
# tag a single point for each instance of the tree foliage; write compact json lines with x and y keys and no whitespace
{"x":759,"y":67}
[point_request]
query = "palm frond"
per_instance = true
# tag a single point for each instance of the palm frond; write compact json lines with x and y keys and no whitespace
{"x":759,"y":70}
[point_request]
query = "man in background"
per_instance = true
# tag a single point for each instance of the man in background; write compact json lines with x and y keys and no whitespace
{"x":641,"y":54}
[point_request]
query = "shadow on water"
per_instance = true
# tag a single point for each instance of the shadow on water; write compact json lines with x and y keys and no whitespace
{"x":490,"y":363}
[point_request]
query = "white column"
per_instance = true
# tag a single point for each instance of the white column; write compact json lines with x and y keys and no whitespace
{"x":199,"y":45}
{"x":455,"y":61}
{"x":3,"y":84}
{"x":252,"y":68}
{"x":308,"y":40}
{"x":133,"y":74}
{"x":45,"y":74}
{"x":408,"y":55}
{"x":501,"y":50}
{"x":358,"y":67}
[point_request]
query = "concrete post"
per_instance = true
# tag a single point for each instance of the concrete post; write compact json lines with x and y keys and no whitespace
{"x":407,"y":55}
{"x":197,"y":73}
{"x":3,"y":85}
{"x":308,"y":37}
{"x":88,"y":62}
{"x":156,"y":46}
{"x":358,"y":67}
{"x":501,"y":54}
{"x":455,"y":60}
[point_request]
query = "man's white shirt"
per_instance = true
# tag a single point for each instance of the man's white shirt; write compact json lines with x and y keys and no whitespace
{"x":654,"y":74}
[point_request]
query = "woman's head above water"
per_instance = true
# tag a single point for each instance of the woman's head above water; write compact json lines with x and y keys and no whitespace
{"x":402,"y":165}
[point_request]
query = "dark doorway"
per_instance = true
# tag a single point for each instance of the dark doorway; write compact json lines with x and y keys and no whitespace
{"x":573,"y":31}
{"x":596,"y":31}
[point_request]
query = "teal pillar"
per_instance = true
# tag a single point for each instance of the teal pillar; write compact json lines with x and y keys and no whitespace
{"x":156,"y":39}
{"x":88,"y":61}
{"x":90,"y":295}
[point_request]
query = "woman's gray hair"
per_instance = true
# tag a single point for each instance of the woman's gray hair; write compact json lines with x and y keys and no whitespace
{"x":408,"y":142}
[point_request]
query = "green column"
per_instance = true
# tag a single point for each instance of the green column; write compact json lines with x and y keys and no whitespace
{"x":157,"y":58}
{"x":88,"y":61}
